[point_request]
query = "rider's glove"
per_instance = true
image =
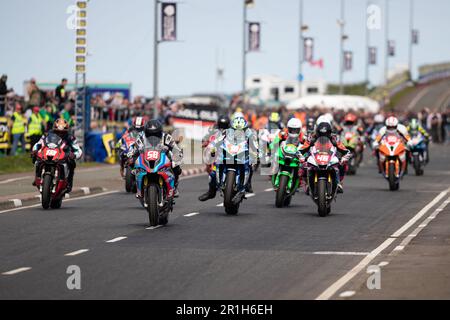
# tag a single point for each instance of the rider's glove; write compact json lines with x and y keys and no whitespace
{"x":375,"y":145}
{"x":410,"y":144}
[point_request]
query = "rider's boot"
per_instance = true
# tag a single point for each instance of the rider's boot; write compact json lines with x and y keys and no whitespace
{"x":340,"y":189}
{"x":238,"y":197}
{"x":210,"y":194}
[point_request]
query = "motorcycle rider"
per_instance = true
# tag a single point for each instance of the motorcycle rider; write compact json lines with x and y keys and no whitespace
{"x":223,"y":123}
{"x":392,"y":126}
{"x":153,"y":128}
{"x":240,"y":126}
{"x":274,"y":122}
{"x":351,"y":122}
{"x":134,"y":132}
{"x":413,"y":128}
{"x":324,"y":129}
{"x":310,"y":127}
{"x":60,"y":128}
{"x":372,"y":131}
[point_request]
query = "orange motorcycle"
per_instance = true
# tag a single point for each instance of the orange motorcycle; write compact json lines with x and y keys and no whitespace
{"x":392,"y":159}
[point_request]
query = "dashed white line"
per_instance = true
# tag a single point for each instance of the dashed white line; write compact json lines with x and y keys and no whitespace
{"x":269,"y":189}
{"x":250,"y":195}
{"x":347,"y":294}
{"x":15,"y":179}
{"x":116,"y":239}
{"x":16,"y":271}
{"x":383,"y":263}
{"x":341,"y":253}
{"x":75,"y":253}
{"x":220,"y":205}
{"x":192,"y":214}
{"x":153,"y":228}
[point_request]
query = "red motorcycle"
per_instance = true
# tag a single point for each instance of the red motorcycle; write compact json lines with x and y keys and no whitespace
{"x":52,"y":165}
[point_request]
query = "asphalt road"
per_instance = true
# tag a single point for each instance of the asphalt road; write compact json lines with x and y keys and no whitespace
{"x":262,"y":253}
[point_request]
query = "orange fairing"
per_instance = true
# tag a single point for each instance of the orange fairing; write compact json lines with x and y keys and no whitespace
{"x":392,"y":145}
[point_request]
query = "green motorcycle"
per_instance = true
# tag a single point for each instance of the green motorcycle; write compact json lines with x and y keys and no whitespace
{"x":286,"y":180}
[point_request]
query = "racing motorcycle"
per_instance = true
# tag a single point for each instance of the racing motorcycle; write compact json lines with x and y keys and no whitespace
{"x":322,"y":174}
{"x":286,"y":181}
{"x":266,"y":138}
{"x":158,"y":181}
{"x":124,"y":148}
{"x":392,"y":157}
{"x":233,"y":169}
{"x":352,"y":141}
{"x":52,"y":164}
{"x":418,"y":153}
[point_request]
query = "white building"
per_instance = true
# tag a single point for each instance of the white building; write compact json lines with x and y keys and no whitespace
{"x":268,"y":88}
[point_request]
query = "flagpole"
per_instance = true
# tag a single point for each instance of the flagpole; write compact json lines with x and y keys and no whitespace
{"x":244,"y":51}
{"x":300,"y":54}
{"x":341,"y":52}
{"x":367,"y":51}
{"x":155,"y":63}
{"x":411,"y":27}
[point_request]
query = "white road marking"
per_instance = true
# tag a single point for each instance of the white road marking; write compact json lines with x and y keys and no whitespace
{"x":383,"y":263}
{"x":341,"y":253}
{"x":250,"y":195}
{"x":269,"y":189}
{"x":347,"y":294}
{"x":15,"y":179}
{"x":220,"y":205}
{"x":67,"y":200}
{"x":153,"y":228}
{"x":331,"y":290}
{"x":192,"y":214}
{"x":116,"y":239}
{"x":16,"y":271}
{"x":86,"y":190}
{"x":75,"y":253}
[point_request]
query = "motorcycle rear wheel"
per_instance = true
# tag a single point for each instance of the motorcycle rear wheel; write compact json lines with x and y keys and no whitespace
{"x":46,"y":191}
{"x":417,"y":166}
{"x":393,"y":184}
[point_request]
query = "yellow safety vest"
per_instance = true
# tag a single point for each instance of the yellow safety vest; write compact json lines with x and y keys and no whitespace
{"x":18,"y":126}
{"x":35,"y":125}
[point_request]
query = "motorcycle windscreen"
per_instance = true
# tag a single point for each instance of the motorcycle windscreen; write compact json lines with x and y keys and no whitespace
{"x":53,"y":141}
{"x":323,"y":145}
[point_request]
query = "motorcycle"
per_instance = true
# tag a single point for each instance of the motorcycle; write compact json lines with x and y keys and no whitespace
{"x":155,"y":167}
{"x":322,"y":174}
{"x":418,"y":153}
{"x":52,"y":164}
{"x":286,"y":181}
{"x":392,"y":159}
{"x":130,"y":178}
{"x":352,"y":141}
{"x":265,"y":138}
{"x":233,"y":169}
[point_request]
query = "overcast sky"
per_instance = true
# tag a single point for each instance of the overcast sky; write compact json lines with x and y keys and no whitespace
{"x":35,"y":41}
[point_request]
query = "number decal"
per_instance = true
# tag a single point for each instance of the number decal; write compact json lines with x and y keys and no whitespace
{"x":50,"y":153}
{"x":152,"y":155}
{"x":323,"y":157}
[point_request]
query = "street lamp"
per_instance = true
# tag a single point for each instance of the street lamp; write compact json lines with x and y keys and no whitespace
{"x":343,"y":37}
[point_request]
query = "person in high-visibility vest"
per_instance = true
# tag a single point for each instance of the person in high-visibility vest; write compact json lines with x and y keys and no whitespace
{"x":18,"y":127}
{"x":35,"y":126}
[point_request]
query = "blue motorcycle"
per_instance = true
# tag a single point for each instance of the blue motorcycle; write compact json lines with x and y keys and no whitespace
{"x":233,"y":169}
{"x":418,"y":149}
{"x":155,"y":181}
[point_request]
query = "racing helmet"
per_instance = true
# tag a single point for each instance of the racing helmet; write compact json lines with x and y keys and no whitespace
{"x":153,"y":128}
{"x":323,"y":129}
{"x":223,"y":122}
{"x":138,"y":124}
{"x":61,"y":127}
{"x":350,"y":119}
{"x":310,"y":125}
{"x":294,"y":127}
{"x":323,"y":119}
{"x":239,"y":123}
{"x":391,"y":123}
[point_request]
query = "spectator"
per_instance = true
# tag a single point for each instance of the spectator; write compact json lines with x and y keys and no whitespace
{"x":34,"y":94}
{"x":67,"y":113}
{"x":35,"y":126}
{"x":3,"y":92}
{"x":18,"y":124}
{"x":60,"y":92}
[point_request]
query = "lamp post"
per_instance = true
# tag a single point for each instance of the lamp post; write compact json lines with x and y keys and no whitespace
{"x":341,"y":50}
{"x":155,"y":62}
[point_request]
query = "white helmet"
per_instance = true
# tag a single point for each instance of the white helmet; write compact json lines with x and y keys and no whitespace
{"x":330,"y":117}
{"x":322,"y":119}
{"x":391,"y":123}
{"x":237,"y":115}
{"x":294,"y":127}
{"x":379,"y":118}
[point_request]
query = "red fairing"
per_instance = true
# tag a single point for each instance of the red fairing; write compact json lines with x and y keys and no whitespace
{"x":62,"y":184}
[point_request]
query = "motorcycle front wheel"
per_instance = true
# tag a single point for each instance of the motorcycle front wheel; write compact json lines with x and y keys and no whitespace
{"x":322,"y":198}
{"x":281,"y":192}
{"x":128,"y":179}
{"x":152,"y":205}
{"x":393,"y":184}
{"x":229,"y":193}
{"x":417,"y":165}
{"x":46,"y":191}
